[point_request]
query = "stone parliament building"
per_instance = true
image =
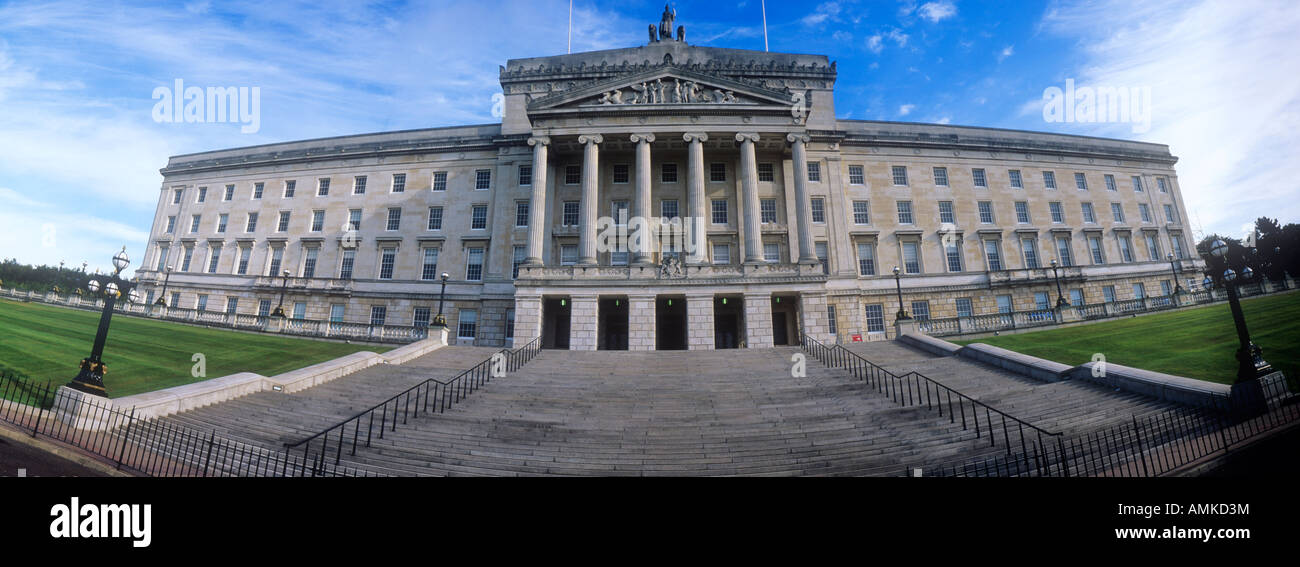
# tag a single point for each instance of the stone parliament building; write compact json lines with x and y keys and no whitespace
{"x":797,"y":221}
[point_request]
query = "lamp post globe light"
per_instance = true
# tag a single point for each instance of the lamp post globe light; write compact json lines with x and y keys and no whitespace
{"x":162,"y":299}
{"x":279,"y":308}
{"x":902,"y":313}
{"x":1060,"y":299}
{"x":1250,"y":358}
{"x":1178,"y":288}
{"x":91,"y":377}
{"x":439,"y":320}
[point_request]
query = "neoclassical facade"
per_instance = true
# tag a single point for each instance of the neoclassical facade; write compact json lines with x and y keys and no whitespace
{"x":792,"y":220}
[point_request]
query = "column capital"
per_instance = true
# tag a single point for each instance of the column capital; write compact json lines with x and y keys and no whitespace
{"x":647,"y":138}
{"x":747,"y":136}
{"x":591,"y":139}
{"x":798,"y":138}
{"x":695,"y":137}
{"x":543,"y":140}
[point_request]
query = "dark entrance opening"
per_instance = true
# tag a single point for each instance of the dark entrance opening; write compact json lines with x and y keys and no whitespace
{"x":555,"y":323}
{"x":785,"y":320}
{"x":670,"y":323}
{"x":612,"y":331}
{"x":728,"y":321}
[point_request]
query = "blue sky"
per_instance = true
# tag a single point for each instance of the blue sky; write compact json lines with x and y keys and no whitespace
{"x":80,"y":151}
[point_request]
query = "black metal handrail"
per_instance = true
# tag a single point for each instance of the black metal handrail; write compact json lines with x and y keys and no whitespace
{"x":916,"y":389}
{"x":434,"y":395}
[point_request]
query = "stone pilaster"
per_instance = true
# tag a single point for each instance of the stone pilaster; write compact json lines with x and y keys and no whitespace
{"x":528,"y":318}
{"x":641,"y":322}
{"x":537,"y":208}
{"x":642,"y":254}
{"x":758,"y":320}
{"x":812,"y":316}
{"x":695,"y":197}
{"x":803,"y":209}
{"x":699,"y":322}
{"x":590,"y":183}
{"x":753,"y":217}
{"x":583,"y":322}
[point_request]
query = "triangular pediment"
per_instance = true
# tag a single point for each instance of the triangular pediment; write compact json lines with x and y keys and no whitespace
{"x":666,"y":86}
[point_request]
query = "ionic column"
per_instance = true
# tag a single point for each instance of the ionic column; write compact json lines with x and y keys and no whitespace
{"x":749,"y":184}
{"x":802,"y":207}
{"x":641,"y":205}
{"x":695,"y":198}
{"x":590,"y":181}
{"x":537,"y":208}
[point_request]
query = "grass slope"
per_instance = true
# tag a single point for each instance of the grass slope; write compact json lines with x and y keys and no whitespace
{"x":1197,"y":343}
{"x":47,"y":343}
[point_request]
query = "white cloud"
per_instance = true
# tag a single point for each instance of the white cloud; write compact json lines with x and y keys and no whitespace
{"x":1006,"y":52}
{"x":898,"y":37}
{"x":906,"y":109}
{"x":937,"y":11}
{"x":944,"y":120}
{"x":875,"y":44}
{"x":823,"y":12}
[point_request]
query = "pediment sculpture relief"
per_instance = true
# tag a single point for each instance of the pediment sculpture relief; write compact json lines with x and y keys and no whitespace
{"x":660,"y":91}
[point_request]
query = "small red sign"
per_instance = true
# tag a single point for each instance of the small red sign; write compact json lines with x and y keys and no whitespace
{"x":857,"y":338}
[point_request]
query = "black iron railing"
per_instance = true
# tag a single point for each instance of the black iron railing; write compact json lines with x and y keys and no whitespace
{"x":434,"y":395}
{"x":146,"y":446}
{"x":913,"y":389}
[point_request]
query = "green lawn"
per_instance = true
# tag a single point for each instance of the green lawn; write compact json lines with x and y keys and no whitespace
{"x":46,"y":343}
{"x":1197,"y":343}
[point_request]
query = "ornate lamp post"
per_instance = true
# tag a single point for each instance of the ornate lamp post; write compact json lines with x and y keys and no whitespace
{"x":1250,"y":359}
{"x":902,"y":313}
{"x":438,"y":319}
{"x":279,"y":308}
{"x":1178,"y":288}
{"x":1060,"y":299}
{"x":162,"y":299}
{"x":91,"y":378}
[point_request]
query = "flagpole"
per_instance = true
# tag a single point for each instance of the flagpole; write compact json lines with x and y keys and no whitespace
{"x":764,"y":25}
{"x":570,"y":26}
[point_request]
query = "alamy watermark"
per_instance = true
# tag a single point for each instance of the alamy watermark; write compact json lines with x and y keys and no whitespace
{"x":1107,"y":104}
{"x":197,"y":105}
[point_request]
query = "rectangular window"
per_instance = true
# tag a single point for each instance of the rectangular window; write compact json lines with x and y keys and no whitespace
{"x":911,"y":258}
{"x":482,"y":179}
{"x":257,"y":190}
{"x":474,"y":265}
{"x":322,"y":186}
{"x":1049,"y":179}
{"x":194,"y":223}
{"x":1139,"y":291}
{"x":719,"y":211}
{"x":1108,"y":294}
{"x":1117,"y":211}
{"x":875,"y":318}
{"x":176,"y":196}
{"x":1016,"y":181}
{"x":866,"y":259}
{"x":765,"y":173}
{"x":232,"y":305}
{"x":1094,"y":246}
{"x":940,"y":176}
{"x":904,"y":212}
{"x":520,"y":256}
{"x":435,"y":218}
{"x":1178,"y":246}
{"x":399,"y":182}
{"x":478,"y":217}
{"x":767,"y":210}
{"x":429,"y":271}
{"x":568,"y":254}
{"x":572,"y":174}
{"x":945,"y":213}
{"x":277,"y":256}
{"x":1081,"y":181}
{"x":953,"y":253}
{"x":1126,"y":248}
{"x":345,"y":267}
{"x":386,"y":261}
{"x":1153,"y":248}
{"x":171,"y":224}
{"x":1063,"y":251}
{"x":1022,"y":212}
{"x":862,"y":212}
{"x":336,"y":313}
{"x":621,"y":173}
{"x":214,"y":257}
{"x":317,"y":221}
{"x":203,"y":194}
{"x":439,"y":181}
{"x":619,"y":210}
{"x":525,"y":175}
{"x":856,"y":175}
{"x":467,"y":324}
{"x":900,"y":174}
{"x":1088,"y":215}
{"x":283,"y":224}
{"x":771,"y":252}
{"x":668,"y":173}
{"x":1170,"y":215}
{"x":1163,"y":183}
{"x":1110,"y":182}
{"x":823,"y":255}
{"x":263,"y":306}
{"x":1146,"y":212}
{"x":1165,"y":288}
{"x":831,"y":326}
{"x":510,"y":323}
{"x":1058,"y":214}
{"x":668,"y":209}
{"x":162,"y":257}
{"x":717,"y":172}
{"x":359,"y":185}
{"x":1030,"y":247}
{"x":394,"y":218}
{"x":818,"y":209}
{"x":571,"y":213}
{"x":299,"y":310}
{"x":981,"y":181}
{"x":921,"y":310}
{"x":814,"y":172}
{"x":721,"y":254}
{"x":986,"y":212}
{"x":309,"y":263}
{"x":1137,"y":183}
{"x":1076,"y":297}
{"x":289,"y":187}
{"x":421,"y":317}
{"x":354,"y":219}
{"x":1042,"y":301}
{"x":993,"y":249}
{"x":378,"y":313}
{"x":521,"y":213}
{"x":251,"y":225}
{"x":202,"y":304}
{"x":244,"y":254}
{"x":230,"y":193}
{"x":964,"y":307}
